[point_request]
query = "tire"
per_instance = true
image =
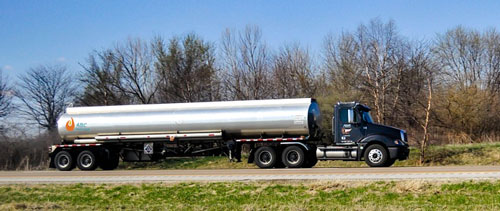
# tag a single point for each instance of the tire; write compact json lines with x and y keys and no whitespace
{"x":311,"y":161}
{"x":109,"y":163}
{"x":86,"y":161}
{"x":64,"y":161}
{"x":265,"y":157}
{"x":390,"y":162}
{"x":293,"y":157}
{"x":376,"y":156}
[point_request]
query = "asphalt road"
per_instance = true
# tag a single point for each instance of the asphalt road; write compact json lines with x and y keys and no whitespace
{"x":134,"y":176}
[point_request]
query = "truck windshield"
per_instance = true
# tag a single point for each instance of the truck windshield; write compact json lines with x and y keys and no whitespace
{"x":367,"y":117}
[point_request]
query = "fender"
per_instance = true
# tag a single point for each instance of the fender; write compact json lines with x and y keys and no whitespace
{"x":391,"y":147}
{"x":388,"y":142}
{"x":297,"y":143}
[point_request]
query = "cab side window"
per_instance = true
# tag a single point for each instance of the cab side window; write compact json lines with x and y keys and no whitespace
{"x":343,"y":115}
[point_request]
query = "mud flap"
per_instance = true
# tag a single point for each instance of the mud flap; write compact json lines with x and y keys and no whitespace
{"x":251,"y":156}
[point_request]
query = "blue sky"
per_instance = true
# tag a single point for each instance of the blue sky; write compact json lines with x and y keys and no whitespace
{"x":51,"y":32}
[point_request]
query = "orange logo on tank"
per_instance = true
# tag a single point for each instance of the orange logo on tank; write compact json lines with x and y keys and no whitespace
{"x":70,"y":125}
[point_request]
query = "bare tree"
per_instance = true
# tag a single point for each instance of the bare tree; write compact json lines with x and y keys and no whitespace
{"x":470,"y":60}
{"x":102,"y":81}
{"x":425,"y":125}
{"x":491,"y":39}
{"x":469,"y":57}
{"x":45,"y":91}
{"x":5,"y":96}
{"x":379,"y":46}
{"x":120,"y":75}
{"x":460,"y":51}
{"x":246,"y":64}
{"x":418,"y":82}
{"x":341,"y":62}
{"x":135,"y":66}
{"x":293,"y":73}
{"x":5,"y":99}
{"x":370,"y":60}
{"x":186,"y":70}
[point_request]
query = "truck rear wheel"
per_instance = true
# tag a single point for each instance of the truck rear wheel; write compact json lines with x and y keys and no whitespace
{"x":109,"y":163}
{"x":293,"y":157}
{"x":311,"y":159}
{"x":376,"y":156}
{"x":63,"y":161}
{"x":265,"y":157}
{"x":86,"y":161}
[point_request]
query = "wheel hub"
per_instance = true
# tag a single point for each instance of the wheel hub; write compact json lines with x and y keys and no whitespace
{"x":375,"y":156}
{"x":63,"y":161}
{"x":293,"y":157}
{"x":265,"y":157}
{"x":86,"y":161}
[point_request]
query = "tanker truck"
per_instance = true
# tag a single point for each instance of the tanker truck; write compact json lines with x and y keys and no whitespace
{"x":276,"y":133}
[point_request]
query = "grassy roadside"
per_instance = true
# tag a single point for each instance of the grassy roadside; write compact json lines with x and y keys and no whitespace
{"x":271,"y":195}
{"x":464,"y":154}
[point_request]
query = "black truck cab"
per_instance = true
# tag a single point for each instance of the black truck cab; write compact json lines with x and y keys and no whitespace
{"x":357,"y":137}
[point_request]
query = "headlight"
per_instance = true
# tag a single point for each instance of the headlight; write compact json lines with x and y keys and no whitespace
{"x":402,"y":133}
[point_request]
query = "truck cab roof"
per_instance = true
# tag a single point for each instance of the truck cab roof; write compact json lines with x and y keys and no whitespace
{"x":354,"y":104}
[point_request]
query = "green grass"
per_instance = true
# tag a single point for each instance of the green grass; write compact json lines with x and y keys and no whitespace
{"x":464,"y":154}
{"x":275,"y":195}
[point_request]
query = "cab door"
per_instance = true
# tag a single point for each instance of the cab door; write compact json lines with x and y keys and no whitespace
{"x":349,"y":127}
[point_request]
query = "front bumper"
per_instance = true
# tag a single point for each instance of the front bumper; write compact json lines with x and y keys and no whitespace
{"x":400,"y":153}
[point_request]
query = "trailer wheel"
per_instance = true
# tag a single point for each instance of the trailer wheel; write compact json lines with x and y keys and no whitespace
{"x":86,"y":161}
{"x":110,"y":162}
{"x":265,"y":157}
{"x":293,"y":157}
{"x":63,"y":161}
{"x":376,"y":156}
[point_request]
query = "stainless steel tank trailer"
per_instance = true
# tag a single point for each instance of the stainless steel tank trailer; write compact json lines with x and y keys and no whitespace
{"x":279,"y":133}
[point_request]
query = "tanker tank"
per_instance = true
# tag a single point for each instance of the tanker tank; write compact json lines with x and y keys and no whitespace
{"x":236,"y":119}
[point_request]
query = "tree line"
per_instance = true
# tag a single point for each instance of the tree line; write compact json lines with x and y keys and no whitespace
{"x":441,"y":90}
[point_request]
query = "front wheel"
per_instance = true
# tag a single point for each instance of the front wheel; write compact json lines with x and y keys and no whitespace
{"x":376,"y":156}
